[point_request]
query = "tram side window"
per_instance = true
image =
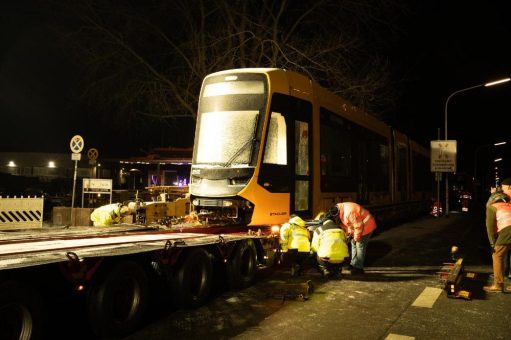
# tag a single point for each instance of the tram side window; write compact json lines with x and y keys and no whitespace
{"x":421,"y":173}
{"x":302,"y":148}
{"x":336,"y":153}
{"x":276,"y":144}
{"x":377,"y":161}
{"x":401,"y":171}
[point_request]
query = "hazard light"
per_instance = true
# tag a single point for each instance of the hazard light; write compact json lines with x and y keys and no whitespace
{"x":275,"y":229}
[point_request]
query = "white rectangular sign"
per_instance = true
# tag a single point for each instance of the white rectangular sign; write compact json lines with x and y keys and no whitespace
{"x":443,"y":156}
{"x":97,"y":185}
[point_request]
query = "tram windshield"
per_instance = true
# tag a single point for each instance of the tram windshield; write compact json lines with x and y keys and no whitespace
{"x":230,"y":111}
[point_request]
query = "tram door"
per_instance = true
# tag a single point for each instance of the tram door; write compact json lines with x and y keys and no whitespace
{"x":287,"y":160}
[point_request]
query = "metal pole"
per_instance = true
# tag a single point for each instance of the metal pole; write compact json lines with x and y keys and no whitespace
{"x":73,"y":196}
{"x":438,"y":178}
{"x":445,"y":122}
{"x":500,"y":81}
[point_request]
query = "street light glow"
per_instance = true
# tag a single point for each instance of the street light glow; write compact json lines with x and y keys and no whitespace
{"x":505,"y":80}
{"x":496,"y":82}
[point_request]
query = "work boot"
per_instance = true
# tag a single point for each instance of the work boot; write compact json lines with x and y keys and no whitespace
{"x":324,"y":272}
{"x":494,"y":288}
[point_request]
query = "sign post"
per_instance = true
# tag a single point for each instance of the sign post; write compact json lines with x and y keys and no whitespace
{"x":443,"y":159}
{"x":76,"y":144}
{"x":93,"y":156}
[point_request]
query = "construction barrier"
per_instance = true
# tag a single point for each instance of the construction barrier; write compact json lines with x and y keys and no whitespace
{"x":21,"y":213}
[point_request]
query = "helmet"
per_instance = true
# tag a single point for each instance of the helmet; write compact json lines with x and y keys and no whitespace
{"x":330,"y":224}
{"x":132,"y":206}
{"x":332,"y":214}
{"x":296,"y":220}
{"x":506,"y":181}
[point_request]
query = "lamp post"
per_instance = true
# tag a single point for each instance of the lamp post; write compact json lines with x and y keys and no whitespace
{"x":445,"y":128}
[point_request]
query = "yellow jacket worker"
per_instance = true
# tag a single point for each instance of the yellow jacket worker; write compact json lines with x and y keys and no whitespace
{"x":109,"y":214}
{"x":295,"y":240}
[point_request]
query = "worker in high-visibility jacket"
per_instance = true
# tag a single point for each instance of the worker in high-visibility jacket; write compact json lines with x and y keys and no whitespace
{"x":295,"y":241}
{"x":110,"y":214}
{"x":498,"y":227}
{"x":358,"y":224}
{"x":331,"y":248}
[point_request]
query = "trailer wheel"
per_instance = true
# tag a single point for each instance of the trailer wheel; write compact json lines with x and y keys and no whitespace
{"x":241,"y":267}
{"x":191,"y":283}
{"x":117,"y":303}
{"x":20,"y":312}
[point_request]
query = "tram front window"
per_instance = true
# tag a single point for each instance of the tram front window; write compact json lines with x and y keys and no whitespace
{"x":225,"y":137}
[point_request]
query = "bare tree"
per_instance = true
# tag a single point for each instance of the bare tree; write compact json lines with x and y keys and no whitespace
{"x":144,"y":61}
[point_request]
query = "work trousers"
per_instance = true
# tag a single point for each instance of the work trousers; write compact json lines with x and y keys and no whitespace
{"x":358,"y":251}
{"x":499,"y":253}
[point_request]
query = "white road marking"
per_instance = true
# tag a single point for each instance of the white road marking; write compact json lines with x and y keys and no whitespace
{"x":427,"y":298}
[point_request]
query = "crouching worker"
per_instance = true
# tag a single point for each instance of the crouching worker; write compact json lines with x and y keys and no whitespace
{"x":111,"y":214}
{"x":330,"y":245}
{"x":295,"y":241}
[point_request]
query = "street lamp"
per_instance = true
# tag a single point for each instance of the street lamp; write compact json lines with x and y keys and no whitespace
{"x":505,"y":80}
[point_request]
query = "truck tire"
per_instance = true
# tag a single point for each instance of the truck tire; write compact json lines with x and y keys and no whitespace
{"x":241,"y":267}
{"x":20,"y":312}
{"x":117,"y":304}
{"x":192,"y":280}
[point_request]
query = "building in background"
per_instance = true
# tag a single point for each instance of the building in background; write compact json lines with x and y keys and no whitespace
{"x":51,"y":174}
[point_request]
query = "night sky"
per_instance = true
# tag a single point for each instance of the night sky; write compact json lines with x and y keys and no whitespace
{"x":445,"y":46}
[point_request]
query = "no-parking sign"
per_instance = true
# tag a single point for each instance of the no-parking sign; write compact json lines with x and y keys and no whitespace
{"x":77,"y":143}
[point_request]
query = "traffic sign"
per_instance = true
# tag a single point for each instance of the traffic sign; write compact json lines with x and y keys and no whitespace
{"x":443,"y":156}
{"x":93,"y":153}
{"x":77,"y":143}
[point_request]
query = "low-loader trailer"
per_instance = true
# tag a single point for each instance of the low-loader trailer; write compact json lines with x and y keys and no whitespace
{"x":115,"y":269}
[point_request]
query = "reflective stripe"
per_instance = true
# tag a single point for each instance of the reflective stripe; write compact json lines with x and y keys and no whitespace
{"x":368,"y":216}
{"x":503,"y":215}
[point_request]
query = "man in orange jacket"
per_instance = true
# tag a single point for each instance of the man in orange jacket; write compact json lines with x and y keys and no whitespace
{"x":498,"y":226}
{"x":359,"y":225}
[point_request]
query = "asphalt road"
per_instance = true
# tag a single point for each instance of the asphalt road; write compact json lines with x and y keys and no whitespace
{"x":400,"y":296}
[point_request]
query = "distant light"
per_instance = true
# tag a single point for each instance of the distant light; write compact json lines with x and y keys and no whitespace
{"x":11,"y":164}
{"x":500,"y":143}
{"x":505,"y":80}
{"x":99,"y":164}
{"x":51,"y":164}
{"x":497,"y":160}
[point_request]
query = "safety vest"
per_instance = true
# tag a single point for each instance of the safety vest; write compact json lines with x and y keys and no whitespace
{"x":356,"y":219}
{"x":503,"y":215}
{"x":330,"y":244}
{"x":106,"y":215}
{"x":293,"y":236}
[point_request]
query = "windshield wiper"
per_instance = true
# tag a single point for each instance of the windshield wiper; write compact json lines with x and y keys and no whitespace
{"x":249,"y":142}
{"x":239,"y":151}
